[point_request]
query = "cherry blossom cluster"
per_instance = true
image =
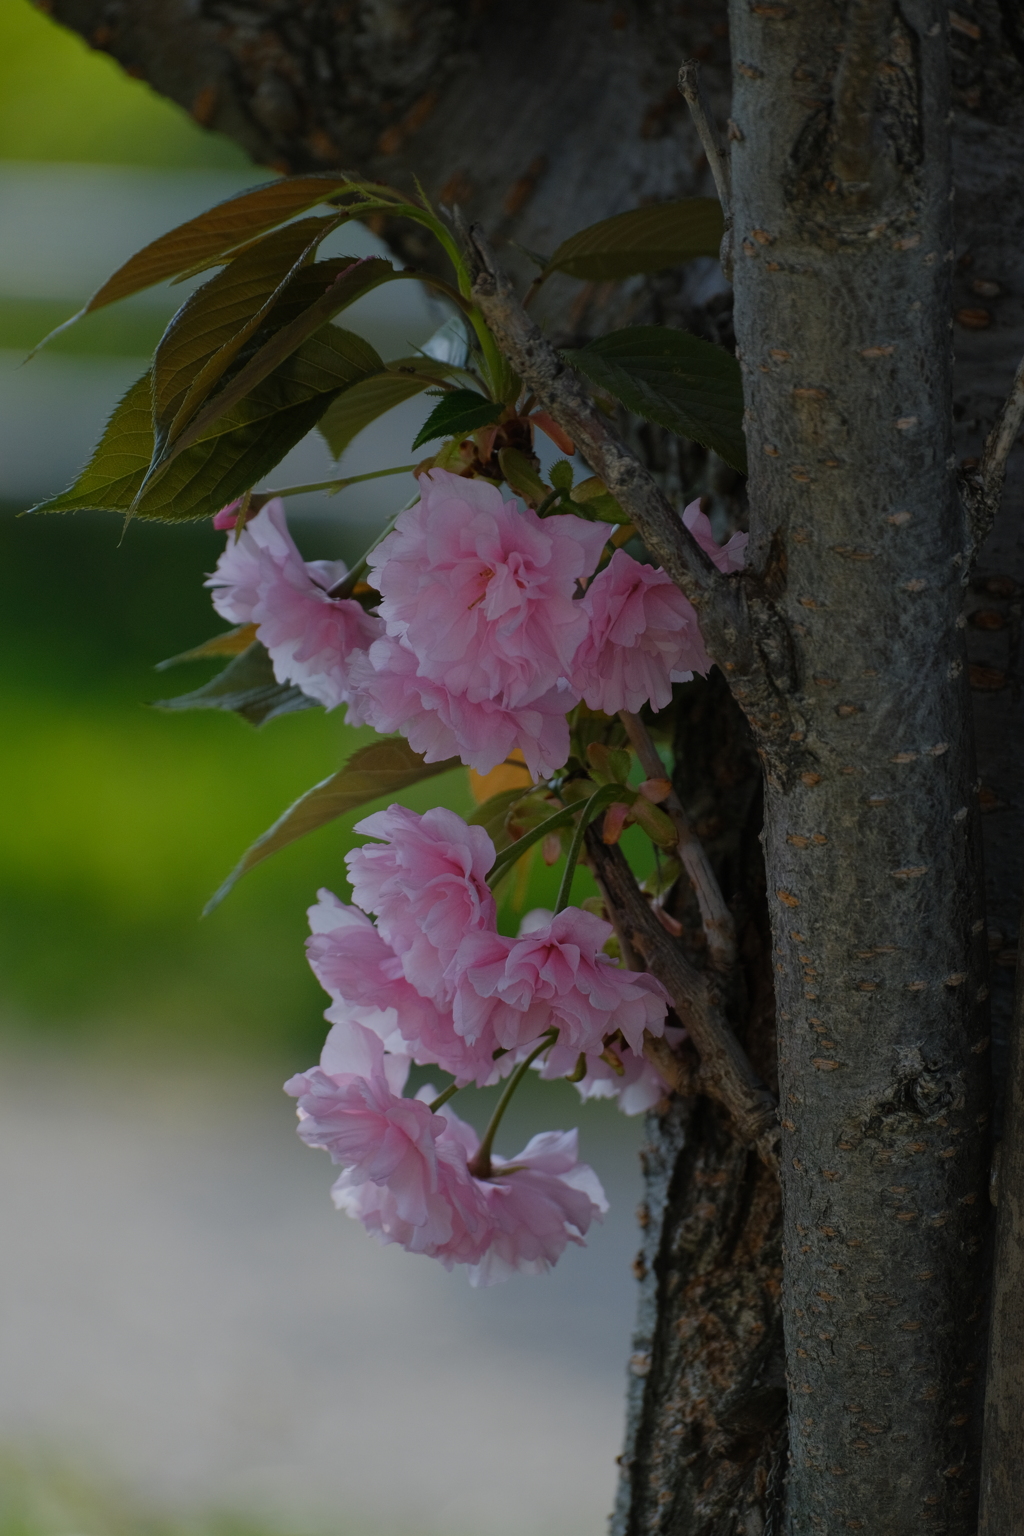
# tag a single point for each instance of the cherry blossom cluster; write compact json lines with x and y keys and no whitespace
{"x":433,"y":982}
{"x":479,"y":627}
{"x":490,"y":626}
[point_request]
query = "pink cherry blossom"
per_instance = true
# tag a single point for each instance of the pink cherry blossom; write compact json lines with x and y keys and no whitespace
{"x":389,"y":695}
{"x":426,"y":879}
{"x":519,"y":1220}
{"x":376,"y":1135}
{"x":367,"y":984}
{"x":636,"y":1088}
{"x":482,"y":590}
{"x":478,"y":592}
{"x":537,"y":1203}
{"x":555,"y":977}
{"x":262,"y":579}
{"x":227,"y":517}
{"x":730,"y":556}
{"x":643,"y":637}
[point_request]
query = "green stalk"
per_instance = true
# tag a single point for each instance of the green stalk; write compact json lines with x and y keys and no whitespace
{"x":480,"y":1165}
{"x":606,"y":795}
{"x":495,"y":365}
{"x":442,"y":1098}
{"x":338,"y":485}
{"x":347,"y":585}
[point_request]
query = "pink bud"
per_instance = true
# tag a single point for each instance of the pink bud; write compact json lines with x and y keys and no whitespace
{"x":228,"y":516}
{"x":615,"y":818}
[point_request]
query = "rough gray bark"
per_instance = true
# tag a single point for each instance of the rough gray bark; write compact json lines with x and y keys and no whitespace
{"x":539,"y":119}
{"x":842,"y":305}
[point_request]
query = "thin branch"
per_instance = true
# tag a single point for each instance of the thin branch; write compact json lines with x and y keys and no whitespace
{"x":984,"y":489}
{"x":718,"y":156}
{"x":692,"y":91}
{"x":719,"y":928}
{"x":726,"y":1073}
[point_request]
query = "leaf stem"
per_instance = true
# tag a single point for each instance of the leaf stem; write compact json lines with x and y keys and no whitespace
{"x":480,"y":1164}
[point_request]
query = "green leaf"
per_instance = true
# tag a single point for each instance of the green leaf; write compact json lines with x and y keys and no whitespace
{"x":642,"y":240}
{"x":231,"y":643}
{"x":358,"y":278}
{"x":112,"y":477}
{"x":374,"y":396}
{"x":461,"y":411}
{"x":382,"y":768}
{"x":241,"y":447}
{"x":220,"y":229}
{"x":245,"y":443}
{"x":248,"y":686}
{"x":691,"y":387}
{"x":211,"y":327}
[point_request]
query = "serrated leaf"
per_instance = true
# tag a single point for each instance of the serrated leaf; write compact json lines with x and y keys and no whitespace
{"x":231,"y":643}
{"x":643,"y":240}
{"x":374,"y":396}
{"x":217,"y":231}
{"x":112,"y":477}
{"x":244,"y":444}
{"x":214,"y":323}
{"x":461,"y":411}
{"x":248,"y":687}
{"x":241,"y":447}
{"x":691,"y":387}
{"x":285,"y":343}
{"x":381,"y":768}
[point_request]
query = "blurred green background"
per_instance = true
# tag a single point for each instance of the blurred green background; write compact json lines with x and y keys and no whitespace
{"x":121,"y":820}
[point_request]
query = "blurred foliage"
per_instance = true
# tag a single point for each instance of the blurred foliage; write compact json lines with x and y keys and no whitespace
{"x":45,"y":1499}
{"x":61,"y":100}
{"x":129,"y":332}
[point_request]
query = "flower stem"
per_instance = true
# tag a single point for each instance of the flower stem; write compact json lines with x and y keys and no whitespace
{"x":594,"y":806}
{"x":480,"y":1164}
{"x":442,"y":1098}
{"x":337,"y":485}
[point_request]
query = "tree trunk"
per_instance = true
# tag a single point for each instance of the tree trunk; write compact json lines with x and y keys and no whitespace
{"x":539,"y":119}
{"x":842,"y":303}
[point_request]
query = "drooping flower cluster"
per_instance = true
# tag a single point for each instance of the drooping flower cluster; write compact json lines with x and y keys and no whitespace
{"x":491,"y":624}
{"x":434,"y":982}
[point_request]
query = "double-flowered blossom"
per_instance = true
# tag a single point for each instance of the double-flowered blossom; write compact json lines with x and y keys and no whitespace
{"x":554,"y":977}
{"x":426,"y":879}
{"x":312,"y":638}
{"x":478,"y":593}
{"x":643,"y":636}
{"x":365,"y":978}
{"x":406,"y":1168}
